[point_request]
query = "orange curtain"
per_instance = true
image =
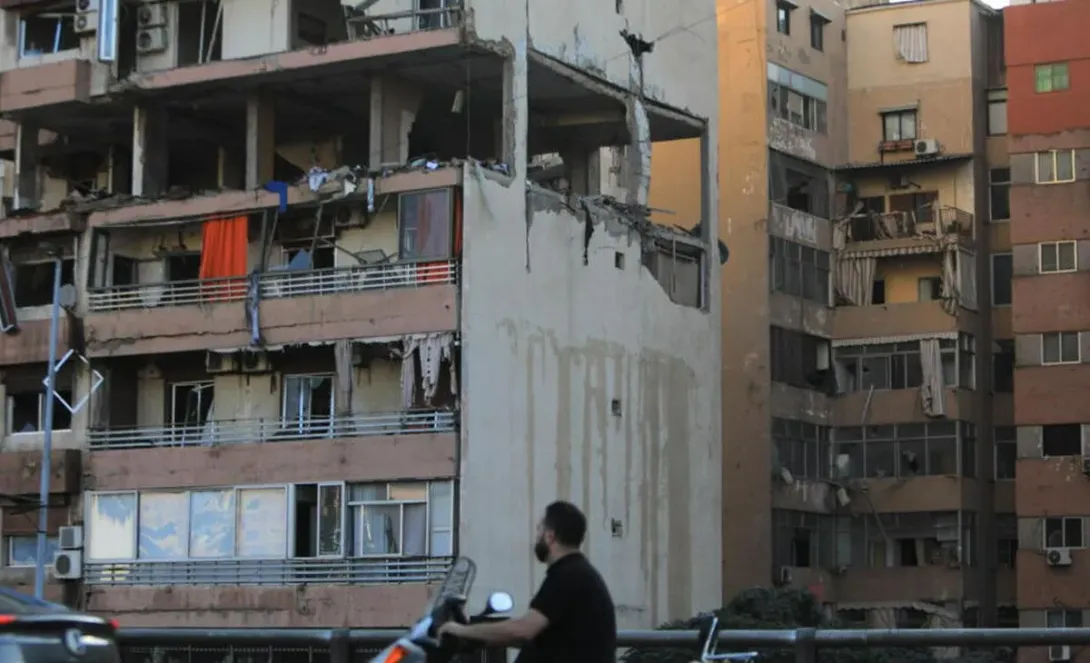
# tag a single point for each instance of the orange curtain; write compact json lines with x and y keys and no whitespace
{"x":224,"y":244}
{"x":437,"y":272}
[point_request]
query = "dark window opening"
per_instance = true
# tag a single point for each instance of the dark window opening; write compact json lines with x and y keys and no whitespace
{"x":878,"y":292}
{"x":800,"y":547}
{"x":190,"y":31}
{"x":817,"y":31}
{"x":34,"y":281}
{"x":48,"y":32}
{"x":920,"y":205}
{"x":783,"y":17}
{"x":1000,"y":193}
{"x":908,"y":552}
{"x":322,"y":257}
{"x":798,"y":191}
{"x":126,"y":271}
{"x":678,"y":269}
{"x":1003,"y":368}
{"x":1007,"y":553}
{"x":183,"y":267}
{"x":1063,"y":532}
{"x":191,"y":404}
{"x":26,"y":412}
{"x":800,"y":360}
{"x":899,"y":126}
{"x":311,"y":30}
{"x":1002,"y":275}
{"x":1061,"y":440}
{"x":930,"y":289}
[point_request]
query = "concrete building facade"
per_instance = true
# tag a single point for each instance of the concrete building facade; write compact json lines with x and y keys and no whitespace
{"x":339,"y":316}
{"x":858,"y":402}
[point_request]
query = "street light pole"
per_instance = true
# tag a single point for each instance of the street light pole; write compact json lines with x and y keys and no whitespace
{"x":47,"y":426}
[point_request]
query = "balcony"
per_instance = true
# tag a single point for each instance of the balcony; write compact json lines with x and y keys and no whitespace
{"x":245,"y":431}
{"x":926,"y":230}
{"x":354,"y":571}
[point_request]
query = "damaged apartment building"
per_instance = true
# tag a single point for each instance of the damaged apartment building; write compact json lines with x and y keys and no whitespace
{"x":858,"y":431}
{"x":349,"y":290}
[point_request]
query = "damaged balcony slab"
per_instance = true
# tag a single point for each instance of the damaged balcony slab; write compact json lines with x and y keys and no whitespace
{"x":44,"y":223}
{"x":893,"y":320}
{"x":56,"y":84}
{"x":142,"y":212}
{"x":20,"y":472}
{"x":384,"y":458}
{"x":29,"y":342}
{"x":304,"y":605}
{"x":387,"y":51}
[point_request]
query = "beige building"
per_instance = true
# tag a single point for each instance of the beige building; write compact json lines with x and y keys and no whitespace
{"x":858,"y":397}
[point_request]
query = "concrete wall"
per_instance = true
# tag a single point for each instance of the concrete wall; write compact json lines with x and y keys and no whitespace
{"x":552,"y":347}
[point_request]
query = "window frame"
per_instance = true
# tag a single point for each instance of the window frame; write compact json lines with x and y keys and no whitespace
{"x":784,"y":10}
{"x":1063,"y":528}
{"x":1041,"y":246}
{"x":900,"y":115}
{"x":355,"y":509}
{"x":414,"y":257}
{"x":1055,"y":156}
{"x":63,"y":13}
{"x":9,"y":543}
{"x":1007,"y":442}
{"x":1053,"y":70}
{"x":1010,"y":258}
{"x":1060,"y":361}
{"x":10,"y":412}
{"x":310,"y":421}
{"x":996,"y":103}
{"x":993,"y":186}
{"x":817,"y":31}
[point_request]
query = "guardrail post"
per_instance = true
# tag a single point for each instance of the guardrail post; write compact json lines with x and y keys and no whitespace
{"x":806,"y":645}
{"x":340,"y":646}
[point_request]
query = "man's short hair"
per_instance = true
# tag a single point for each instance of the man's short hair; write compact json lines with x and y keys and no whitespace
{"x":566,"y":522}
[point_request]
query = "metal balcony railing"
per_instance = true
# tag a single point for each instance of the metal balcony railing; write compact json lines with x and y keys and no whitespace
{"x":274,"y":284}
{"x":242,"y":431}
{"x":939,"y":221}
{"x":365,"y":25}
{"x":347,"y":571}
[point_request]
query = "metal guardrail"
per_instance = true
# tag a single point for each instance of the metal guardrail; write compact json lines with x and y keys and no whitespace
{"x":356,"y":645}
{"x":242,"y":431}
{"x":274,"y":284}
{"x":281,"y":572}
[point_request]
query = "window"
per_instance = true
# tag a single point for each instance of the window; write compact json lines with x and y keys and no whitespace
{"x":899,"y":125}
{"x":910,"y":42}
{"x":1002,"y":273}
{"x":800,"y":271}
{"x":967,"y":447}
{"x":783,"y":17}
{"x":1006,"y":536}
{"x":425,"y":224}
{"x":1060,"y":348}
{"x":1051,"y":77}
{"x":1061,"y":440}
{"x":800,"y":360}
{"x":34,"y":281}
{"x":878,"y":292}
{"x":1063,"y":533}
{"x":1003,"y":368}
{"x":679,"y":270}
{"x":999,"y":181}
{"x":929,"y":289}
{"x":1064,"y":619}
{"x":817,"y":31}
{"x":22,"y":550}
{"x":801,"y":448}
{"x":324,"y":256}
{"x":997,"y":116}
{"x":901,"y":450}
{"x":1006,"y":452}
{"x":798,"y":99}
{"x":410,"y":519}
{"x":1055,"y":166}
{"x":243,"y":522}
{"x":802,"y":540}
{"x":26,"y":412}
{"x":190,"y":407}
{"x":1058,"y":257}
{"x":48,"y":32}
{"x":893,"y":365}
{"x":308,"y":403}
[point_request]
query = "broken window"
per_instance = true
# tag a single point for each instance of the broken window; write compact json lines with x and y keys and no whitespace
{"x":800,"y":271}
{"x":191,"y":407}
{"x":892,"y":365}
{"x":183,"y":266}
{"x":311,"y":30}
{"x":324,"y":256}
{"x":425,"y":224}
{"x":126,"y":271}
{"x":798,"y":99}
{"x":679,"y":269}
{"x":1061,"y":440}
{"x":801,"y":448}
{"x":308,"y":403}
{"x":920,"y":206}
{"x":896,"y":450}
{"x":913,"y":539}
{"x":899,"y":125}
{"x":319,"y":520}
{"x":403,"y":519}
{"x":1063,"y":532}
{"x":51,"y":30}
{"x":34,"y":281}
{"x":200,"y":34}
{"x":801,"y":539}
{"x":799,"y":359}
{"x":26,"y":411}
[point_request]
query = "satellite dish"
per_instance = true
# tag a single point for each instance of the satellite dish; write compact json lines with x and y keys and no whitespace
{"x":68,"y":295}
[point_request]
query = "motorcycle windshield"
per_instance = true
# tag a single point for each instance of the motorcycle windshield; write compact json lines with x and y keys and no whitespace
{"x":458,"y":582}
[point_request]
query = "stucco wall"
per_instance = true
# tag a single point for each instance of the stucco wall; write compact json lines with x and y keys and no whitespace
{"x":548,"y":343}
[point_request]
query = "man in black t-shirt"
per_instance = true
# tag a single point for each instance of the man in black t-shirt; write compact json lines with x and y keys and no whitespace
{"x":571,"y":618}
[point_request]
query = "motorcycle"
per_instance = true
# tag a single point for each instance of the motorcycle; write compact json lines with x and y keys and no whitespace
{"x":421,"y":644}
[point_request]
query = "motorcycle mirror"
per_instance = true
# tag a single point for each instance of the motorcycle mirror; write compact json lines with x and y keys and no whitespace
{"x":500,"y":602}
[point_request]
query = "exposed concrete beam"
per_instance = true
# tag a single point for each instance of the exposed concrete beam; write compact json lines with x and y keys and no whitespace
{"x":579,"y":119}
{"x":27,"y":155}
{"x":260,"y":141}
{"x":150,"y":133}
{"x":394,"y":105}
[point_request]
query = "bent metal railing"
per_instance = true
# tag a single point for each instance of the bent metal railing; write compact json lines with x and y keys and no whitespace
{"x":242,"y":431}
{"x":349,"y":645}
{"x":274,"y":284}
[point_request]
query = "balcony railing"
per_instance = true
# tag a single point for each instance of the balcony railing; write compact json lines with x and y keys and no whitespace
{"x":926,"y":222}
{"x":242,"y":431}
{"x":363,"y":25}
{"x":348,"y":571}
{"x":274,"y":284}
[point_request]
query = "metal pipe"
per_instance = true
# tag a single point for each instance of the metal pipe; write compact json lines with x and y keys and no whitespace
{"x":47,"y":425}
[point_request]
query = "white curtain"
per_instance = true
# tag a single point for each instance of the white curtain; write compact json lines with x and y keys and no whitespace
{"x":855,"y":279}
{"x":932,"y":394}
{"x":910,"y":42}
{"x":408,"y":372}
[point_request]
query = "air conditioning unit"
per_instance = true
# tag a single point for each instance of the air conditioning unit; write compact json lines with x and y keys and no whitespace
{"x":68,"y":565}
{"x":254,"y":362}
{"x":86,"y":19}
{"x":1058,"y":556}
{"x":151,"y":16}
{"x":218,"y":362}
{"x":151,"y":40}
{"x":926,"y":147}
{"x":1059,"y":653}
{"x":70,"y":538}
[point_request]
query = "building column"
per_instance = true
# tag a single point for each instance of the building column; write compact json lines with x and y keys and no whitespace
{"x":150,"y":133}
{"x":516,"y":109}
{"x":394,"y":105}
{"x":27,"y":188}
{"x":260,"y":141}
